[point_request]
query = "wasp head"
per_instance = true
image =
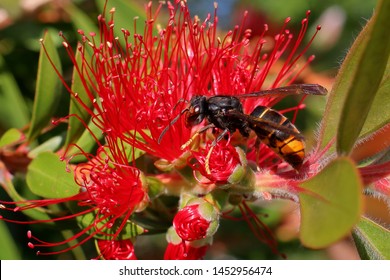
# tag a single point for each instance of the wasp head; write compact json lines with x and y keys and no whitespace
{"x":196,"y":111}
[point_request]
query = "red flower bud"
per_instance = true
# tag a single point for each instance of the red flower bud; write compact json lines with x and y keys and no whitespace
{"x":116,"y":249}
{"x":179,"y":249}
{"x":196,"y":221}
{"x":218,"y":163}
{"x":184,"y":251}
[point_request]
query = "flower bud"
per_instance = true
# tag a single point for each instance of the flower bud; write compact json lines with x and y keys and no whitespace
{"x":116,"y":249}
{"x":197,"y":220}
{"x":222,"y":163}
{"x":178,"y":249}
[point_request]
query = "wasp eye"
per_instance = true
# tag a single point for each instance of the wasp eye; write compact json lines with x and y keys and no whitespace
{"x":196,"y":109}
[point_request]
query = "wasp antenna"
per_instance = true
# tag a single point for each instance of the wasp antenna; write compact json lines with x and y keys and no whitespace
{"x":178,"y":102}
{"x":314,"y":89}
{"x":170,"y":124}
{"x":162,"y":133}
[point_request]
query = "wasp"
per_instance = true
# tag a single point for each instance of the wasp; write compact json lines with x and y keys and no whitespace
{"x":272,"y":128}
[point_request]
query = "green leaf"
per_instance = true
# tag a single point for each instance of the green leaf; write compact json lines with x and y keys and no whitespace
{"x":47,"y":176}
{"x":51,"y":145}
{"x":129,"y":230}
{"x":35,"y":213}
{"x":331,"y":204}
{"x":155,"y":187}
{"x":11,"y":137}
{"x":379,"y":114}
{"x":337,"y":96}
{"x":131,"y":152}
{"x":76,"y":126}
{"x":125,"y":13}
{"x":86,"y":142}
{"x":13,"y":109}
{"x":9,"y":249}
{"x":80,"y":20}
{"x":366,"y":80}
{"x":343,"y":82}
{"x":372,"y":240}
{"x":47,"y":92}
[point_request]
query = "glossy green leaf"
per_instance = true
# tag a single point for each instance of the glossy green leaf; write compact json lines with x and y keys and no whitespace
{"x":125,"y":13}
{"x":129,"y":230}
{"x":372,"y":240}
{"x":379,"y":114}
{"x":155,"y":187}
{"x":51,"y":145}
{"x":344,"y":80}
{"x":86,"y":142}
{"x":76,"y":126}
{"x":49,"y":177}
{"x":331,"y":204}
{"x":35,"y":213}
{"x":10,"y":137}
{"x":131,"y":152}
{"x":337,"y":95}
{"x":77,"y":250}
{"x":13,"y":109}
{"x":366,"y":80}
{"x":47,"y":92}
{"x":80,"y":20}
{"x":9,"y":249}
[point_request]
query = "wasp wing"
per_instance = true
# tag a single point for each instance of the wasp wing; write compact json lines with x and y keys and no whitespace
{"x":264,"y":123}
{"x":295,"y":89}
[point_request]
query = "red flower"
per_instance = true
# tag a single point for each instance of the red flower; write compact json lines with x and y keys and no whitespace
{"x":189,"y":225}
{"x":184,"y":251}
{"x":137,"y":88}
{"x":197,"y":220}
{"x":113,"y":187}
{"x":178,"y":249}
{"x":116,"y":249}
{"x":110,"y":192}
{"x":221,"y":163}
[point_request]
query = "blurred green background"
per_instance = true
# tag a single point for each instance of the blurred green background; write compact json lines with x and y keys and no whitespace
{"x":22,"y":23}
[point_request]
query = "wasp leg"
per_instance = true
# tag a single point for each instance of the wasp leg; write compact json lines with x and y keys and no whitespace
{"x":220,"y":136}
{"x":203,"y":129}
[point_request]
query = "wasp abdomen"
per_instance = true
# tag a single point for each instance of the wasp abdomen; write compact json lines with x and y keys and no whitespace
{"x":289,"y":146}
